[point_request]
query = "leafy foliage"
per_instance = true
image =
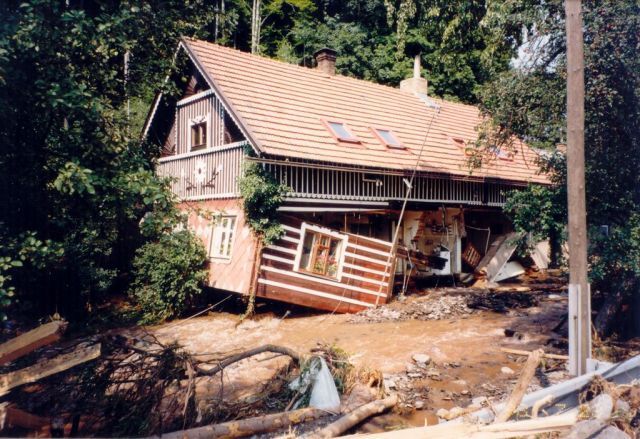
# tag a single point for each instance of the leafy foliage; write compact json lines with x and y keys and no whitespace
{"x":73,"y":175}
{"x":261,"y":197}
{"x":168,"y":275}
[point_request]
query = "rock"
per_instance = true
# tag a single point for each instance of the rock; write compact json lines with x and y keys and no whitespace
{"x":442,"y":413}
{"x":421,"y":359}
{"x":584,"y":429}
{"x":415,"y":375}
{"x":479,"y":400}
{"x":507,"y":370}
{"x":601,"y":407}
{"x":418,"y":404}
{"x":411,"y":368}
{"x":460,"y":382}
{"x":433,"y":374}
{"x":464,"y":392}
{"x":389,"y":384}
{"x":611,"y":432}
{"x":456,"y":412}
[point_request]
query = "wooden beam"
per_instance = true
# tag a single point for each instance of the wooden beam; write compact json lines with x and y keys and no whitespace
{"x":48,"y":367}
{"x":250,"y":426}
{"x":521,"y":386}
{"x":355,"y":417}
{"x":11,"y":416}
{"x":32,"y":340}
{"x":502,"y":430}
{"x":545,"y":355}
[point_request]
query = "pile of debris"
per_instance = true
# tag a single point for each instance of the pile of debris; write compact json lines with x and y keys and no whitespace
{"x":446,"y":303}
{"x":436,"y":306}
{"x":117,"y":384}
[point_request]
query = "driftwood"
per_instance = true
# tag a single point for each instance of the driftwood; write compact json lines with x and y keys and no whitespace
{"x":32,"y":340}
{"x":250,"y":426}
{"x":246,"y":354}
{"x":521,"y":386}
{"x":355,"y":417}
{"x":48,"y":367}
{"x":545,"y":355}
{"x":501,"y":430}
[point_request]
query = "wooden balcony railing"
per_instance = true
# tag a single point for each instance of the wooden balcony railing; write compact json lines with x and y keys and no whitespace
{"x":209,"y":173}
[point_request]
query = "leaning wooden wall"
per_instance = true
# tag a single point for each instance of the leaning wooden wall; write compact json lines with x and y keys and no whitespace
{"x":365,"y":280}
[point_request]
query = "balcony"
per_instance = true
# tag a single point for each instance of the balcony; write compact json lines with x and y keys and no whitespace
{"x":206,"y":174}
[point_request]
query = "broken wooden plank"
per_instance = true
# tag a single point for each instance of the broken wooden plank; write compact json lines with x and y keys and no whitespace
{"x":521,"y":386}
{"x":355,"y":417}
{"x":526,"y":353}
{"x":250,"y":426}
{"x":32,"y":340}
{"x":501,"y":430}
{"x":497,"y":256}
{"x":48,"y":367}
{"x":11,"y":416}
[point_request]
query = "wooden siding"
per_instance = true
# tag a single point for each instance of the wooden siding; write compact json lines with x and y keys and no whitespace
{"x":233,"y":274}
{"x":202,"y":104}
{"x":365,"y":279}
{"x":221,"y":167}
{"x":336,"y":184}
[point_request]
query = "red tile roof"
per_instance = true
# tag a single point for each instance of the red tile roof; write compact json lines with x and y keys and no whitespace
{"x":284,"y":106}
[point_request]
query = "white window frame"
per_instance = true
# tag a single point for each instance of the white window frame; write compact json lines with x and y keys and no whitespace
{"x":216,"y":232}
{"x":324,"y":231}
{"x":195,"y":121}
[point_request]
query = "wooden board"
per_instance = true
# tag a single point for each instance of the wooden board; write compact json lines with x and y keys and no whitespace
{"x":48,"y":367}
{"x":32,"y":340}
{"x":500,"y":251}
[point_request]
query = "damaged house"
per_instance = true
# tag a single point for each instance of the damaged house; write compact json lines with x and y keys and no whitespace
{"x":353,"y":154}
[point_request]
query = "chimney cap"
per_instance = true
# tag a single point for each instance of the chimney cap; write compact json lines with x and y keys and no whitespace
{"x":326,"y":51}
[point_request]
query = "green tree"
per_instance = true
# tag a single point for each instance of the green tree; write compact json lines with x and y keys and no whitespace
{"x":73,"y":174}
{"x":529,"y":102}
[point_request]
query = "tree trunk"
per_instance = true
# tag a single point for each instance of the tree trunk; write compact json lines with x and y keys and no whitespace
{"x":255,"y":26}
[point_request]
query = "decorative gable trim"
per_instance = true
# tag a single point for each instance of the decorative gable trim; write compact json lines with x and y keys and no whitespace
{"x":214,"y":90}
{"x":233,"y":114}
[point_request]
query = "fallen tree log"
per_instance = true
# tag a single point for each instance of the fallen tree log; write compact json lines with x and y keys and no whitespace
{"x":545,"y":355}
{"x":501,"y":430}
{"x":32,"y":340}
{"x":521,"y":386}
{"x":355,"y":417}
{"x":48,"y":367}
{"x":250,"y":426}
{"x":246,"y":354}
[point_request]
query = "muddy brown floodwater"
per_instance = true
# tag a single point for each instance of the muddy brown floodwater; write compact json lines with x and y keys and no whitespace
{"x":472,"y":343}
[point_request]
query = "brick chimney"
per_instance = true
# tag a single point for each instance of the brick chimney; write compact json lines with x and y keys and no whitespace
{"x":326,"y":60}
{"x":416,"y":84}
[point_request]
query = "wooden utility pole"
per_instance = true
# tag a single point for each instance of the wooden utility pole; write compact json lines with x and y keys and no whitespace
{"x":579,"y":294}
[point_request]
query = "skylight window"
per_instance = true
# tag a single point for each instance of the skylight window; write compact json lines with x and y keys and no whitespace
{"x":340,"y":131}
{"x":460,"y":143}
{"x":388,"y":137}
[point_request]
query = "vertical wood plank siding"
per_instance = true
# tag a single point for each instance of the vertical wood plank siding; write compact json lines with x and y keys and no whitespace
{"x":207,"y":105}
{"x":333,"y":184}
{"x":365,"y":278}
{"x":221,"y":167}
